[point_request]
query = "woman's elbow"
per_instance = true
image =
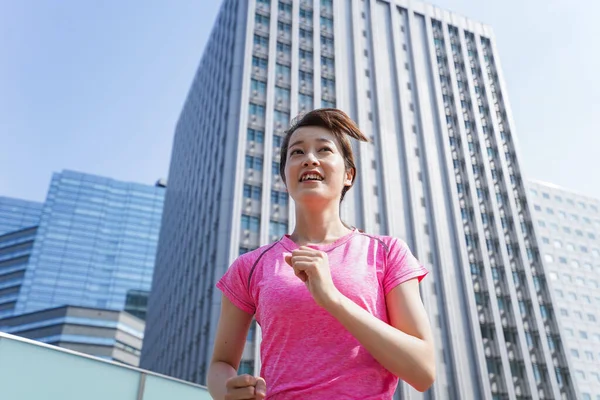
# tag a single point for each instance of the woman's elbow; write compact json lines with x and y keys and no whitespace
{"x":426,"y":378}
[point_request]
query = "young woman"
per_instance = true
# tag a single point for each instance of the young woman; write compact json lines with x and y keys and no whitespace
{"x":340,"y":310}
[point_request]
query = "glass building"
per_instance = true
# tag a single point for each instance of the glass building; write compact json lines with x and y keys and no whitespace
{"x":96,"y":241}
{"x":16,"y":214}
{"x":442,"y":172}
{"x":15,"y":251}
{"x":568,"y":224}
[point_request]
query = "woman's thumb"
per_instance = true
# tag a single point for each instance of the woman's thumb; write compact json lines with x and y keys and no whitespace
{"x":260,"y":389}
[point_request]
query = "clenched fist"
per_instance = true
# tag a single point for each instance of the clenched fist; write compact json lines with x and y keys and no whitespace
{"x":312,"y":267}
{"x":246,"y":387}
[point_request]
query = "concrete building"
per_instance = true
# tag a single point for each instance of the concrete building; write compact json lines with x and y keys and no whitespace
{"x":112,"y":335}
{"x":442,"y":172}
{"x":568,"y":225}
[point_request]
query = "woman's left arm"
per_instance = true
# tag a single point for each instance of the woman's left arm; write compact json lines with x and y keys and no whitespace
{"x":405,"y":347}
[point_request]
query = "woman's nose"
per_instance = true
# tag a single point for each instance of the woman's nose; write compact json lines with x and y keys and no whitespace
{"x":310,"y":160}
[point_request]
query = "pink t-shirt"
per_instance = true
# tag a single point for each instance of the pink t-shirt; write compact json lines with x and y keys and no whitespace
{"x":305,"y":352}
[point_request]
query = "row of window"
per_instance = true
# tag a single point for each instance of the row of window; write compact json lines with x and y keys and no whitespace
{"x":579,"y":279}
{"x":570,"y":246}
{"x":590,"y":317}
{"x":563,"y":214}
{"x":566,"y":229}
{"x":571,"y":202}
{"x":252,"y":224}
{"x":255,"y":193}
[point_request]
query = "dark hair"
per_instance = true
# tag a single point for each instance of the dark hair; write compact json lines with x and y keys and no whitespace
{"x":335,"y":121}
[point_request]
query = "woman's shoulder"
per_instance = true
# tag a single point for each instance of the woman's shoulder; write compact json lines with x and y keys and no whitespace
{"x":253,"y":256}
{"x":386,"y":241}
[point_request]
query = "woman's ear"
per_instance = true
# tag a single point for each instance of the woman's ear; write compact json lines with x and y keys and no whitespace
{"x":348,"y":177}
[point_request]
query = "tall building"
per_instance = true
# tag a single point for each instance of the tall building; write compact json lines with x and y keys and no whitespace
{"x":95,"y":242}
{"x":15,"y":251}
{"x":17,"y":214}
{"x":110,"y":334}
{"x":569,"y":227}
{"x":442,"y":172}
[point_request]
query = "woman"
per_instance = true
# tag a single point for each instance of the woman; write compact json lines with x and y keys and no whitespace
{"x":340,"y":310}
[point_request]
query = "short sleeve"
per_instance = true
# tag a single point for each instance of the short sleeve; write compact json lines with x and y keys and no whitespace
{"x":401,"y":266}
{"x":234,"y":286}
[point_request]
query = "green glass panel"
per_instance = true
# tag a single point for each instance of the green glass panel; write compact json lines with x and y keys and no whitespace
{"x":33,"y":372}
{"x":159,"y":388}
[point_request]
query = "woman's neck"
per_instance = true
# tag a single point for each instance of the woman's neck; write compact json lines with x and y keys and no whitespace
{"x":321,"y":227}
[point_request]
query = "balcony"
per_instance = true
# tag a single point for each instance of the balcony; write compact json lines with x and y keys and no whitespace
{"x":30,"y":370}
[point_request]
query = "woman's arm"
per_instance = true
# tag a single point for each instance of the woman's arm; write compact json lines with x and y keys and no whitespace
{"x":405,"y":347}
{"x":229,"y":346}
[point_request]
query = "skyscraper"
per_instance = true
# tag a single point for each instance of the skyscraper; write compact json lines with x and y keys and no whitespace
{"x":442,"y":172}
{"x":569,"y":227}
{"x":95,"y":242}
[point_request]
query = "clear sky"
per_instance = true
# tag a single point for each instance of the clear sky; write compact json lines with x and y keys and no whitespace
{"x":98,"y":86}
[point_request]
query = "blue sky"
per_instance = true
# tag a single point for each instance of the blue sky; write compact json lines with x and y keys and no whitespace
{"x":98,"y":86}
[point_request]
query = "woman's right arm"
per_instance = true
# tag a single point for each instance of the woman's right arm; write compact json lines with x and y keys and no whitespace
{"x":229,"y":346}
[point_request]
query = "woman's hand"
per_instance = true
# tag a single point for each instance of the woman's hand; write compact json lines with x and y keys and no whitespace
{"x":312,"y":267}
{"x":246,"y":387}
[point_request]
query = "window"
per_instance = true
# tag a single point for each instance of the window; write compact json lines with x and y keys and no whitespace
{"x":282,"y":95}
{"x":559,"y":293}
{"x":562,"y":214}
{"x":570,"y":246}
{"x":580,"y":374}
{"x":261,"y":41}
{"x":549,"y":211}
{"x":255,"y":163}
{"x":252,"y":192}
{"x":562,"y":260}
{"x":583,"y":334}
{"x":283,"y":72}
{"x":541,"y":223}
{"x":280,"y":198}
{"x":283,"y":27}
{"x":578,"y":314}
{"x":545,"y":240}
{"x":306,"y":77}
{"x":281,"y":117}
{"x":548,"y":258}
{"x":564,"y":312}
{"x":305,"y":14}
{"x":575,"y":353}
{"x":277,"y":228}
{"x":553,"y":276}
{"x":259,"y":62}
{"x":572,"y":296}
{"x":545,"y":195}
{"x":284,"y":48}
{"x":275,"y":168}
{"x":306,"y":56}
{"x":255,"y":136}
{"x":250,"y":223}
{"x":557,"y":244}
{"x":591,"y":317}
{"x":257,"y":110}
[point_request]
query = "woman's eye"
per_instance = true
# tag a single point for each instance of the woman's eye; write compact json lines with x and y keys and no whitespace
{"x":297,"y":151}
{"x":326,"y":149}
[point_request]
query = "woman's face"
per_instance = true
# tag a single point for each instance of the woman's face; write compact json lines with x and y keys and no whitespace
{"x":315,"y":168}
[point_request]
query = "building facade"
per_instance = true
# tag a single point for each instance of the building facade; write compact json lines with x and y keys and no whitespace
{"x":112,"y":335}
{"x":15,"y":251}
{"x":441,"y":172}
{"x":95,"y":242}
{"x":569,"y":231}
{"x":17,"y":214}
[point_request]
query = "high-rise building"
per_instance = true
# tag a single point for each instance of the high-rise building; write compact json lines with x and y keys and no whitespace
{"x":15,"y":251}
{"x":95,"y":242}
{"x":110,"y":334}
{"x":442,"y":172}
{"x":569,"y":237}
{"x":17,"y":214}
